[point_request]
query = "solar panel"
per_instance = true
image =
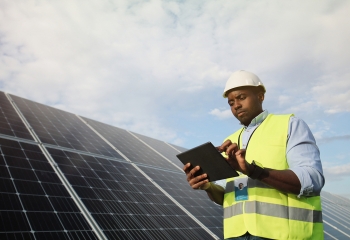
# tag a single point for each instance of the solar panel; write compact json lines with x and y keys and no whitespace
{"x":90,"y":180}
{"x":336,"y":212}
{"x":196,"y":202}
{"x":34,"y":202}
{"x":10,"y":122}
{"x":180,"y":149}
{"x":163,"y":148}
{"x":126,"y":143}
{"x":60,"y":128}
{"x":123,"y":202}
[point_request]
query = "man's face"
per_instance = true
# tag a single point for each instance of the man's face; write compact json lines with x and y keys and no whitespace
{"x":245,"y":103}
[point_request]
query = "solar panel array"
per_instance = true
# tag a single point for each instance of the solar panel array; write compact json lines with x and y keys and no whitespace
{"x":68,"y":177}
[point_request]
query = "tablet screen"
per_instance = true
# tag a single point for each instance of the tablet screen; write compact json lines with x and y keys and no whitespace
{"x":210,"y":160}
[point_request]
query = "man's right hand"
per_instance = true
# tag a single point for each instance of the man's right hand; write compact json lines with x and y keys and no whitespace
{"x":196,"y":182}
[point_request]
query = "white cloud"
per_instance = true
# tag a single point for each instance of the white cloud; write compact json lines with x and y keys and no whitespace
{"x":191,"y":89}
{"x":333,"y":138}
{"x":320,"y":129}
{"x":337,"y":172}
{"x":103,"y":59}
{"x":283,"y":99}
{"x":333,"y":93}
{"x":221,"y":114}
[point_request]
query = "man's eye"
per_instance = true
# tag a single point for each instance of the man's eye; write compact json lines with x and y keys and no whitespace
{"x":231,"y":103}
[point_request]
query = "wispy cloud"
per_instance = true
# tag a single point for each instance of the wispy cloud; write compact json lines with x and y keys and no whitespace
{"x":337,"y":173}
{"x":138,"y":59}
{"x":221,"y":114}
{"x":334,"y":138}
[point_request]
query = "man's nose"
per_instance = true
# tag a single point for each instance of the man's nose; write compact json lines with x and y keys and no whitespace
{"x":237,"y":106}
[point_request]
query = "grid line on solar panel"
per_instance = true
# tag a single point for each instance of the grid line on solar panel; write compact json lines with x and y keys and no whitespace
{"x":335,"y":220}
{"x":127,"y":144}
{"x":178,"y":148}
{"x":340,"y":211}
{"x":342,"y":227}
{"x":31,"y":210}
{"x":165,"y":149}
{"x":117,"y":195}
{"x":189,"y":214}
{"x":196,"y":202}
{"x":10,"y":123}
{"x":60,"y":128}
{"x":125,"y":149}
{"x":333,"y":230}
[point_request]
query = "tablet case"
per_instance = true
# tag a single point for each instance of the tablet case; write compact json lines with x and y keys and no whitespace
{"x":210,"y":160}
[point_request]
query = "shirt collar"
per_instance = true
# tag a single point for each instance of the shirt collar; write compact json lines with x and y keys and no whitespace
{"x":258,"y":119}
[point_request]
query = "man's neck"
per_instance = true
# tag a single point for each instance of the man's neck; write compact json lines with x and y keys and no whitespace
{"x":258,"y":119}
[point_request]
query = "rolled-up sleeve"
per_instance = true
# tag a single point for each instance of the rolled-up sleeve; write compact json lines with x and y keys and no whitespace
{"x":303,"y":157}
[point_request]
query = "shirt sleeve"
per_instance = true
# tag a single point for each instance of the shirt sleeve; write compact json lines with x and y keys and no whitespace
{"x":303,"y":157}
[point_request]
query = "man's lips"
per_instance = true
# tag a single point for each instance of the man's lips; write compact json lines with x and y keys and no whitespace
{"x":240,"y":113}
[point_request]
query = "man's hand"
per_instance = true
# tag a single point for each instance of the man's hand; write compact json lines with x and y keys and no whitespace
{"x":282,"y":180}
{"x":196,"y":182}
{"x":235,"y":157}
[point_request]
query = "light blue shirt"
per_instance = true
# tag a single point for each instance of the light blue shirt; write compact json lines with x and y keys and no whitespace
{"x":303,"y":155}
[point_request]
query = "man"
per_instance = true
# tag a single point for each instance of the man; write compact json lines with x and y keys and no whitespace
{"x":279,"y":163}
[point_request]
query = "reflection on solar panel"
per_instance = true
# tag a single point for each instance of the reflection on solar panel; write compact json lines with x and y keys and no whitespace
{"x":195,"y":202}
{"x":59,"y":128}
{"x":124,"y":203}
{"x":336,"y":216}
{"x":10,"y":123}
{"x":34,"y":202}
{"x":81,"y":179}
{"x":126,"y":143}
{"x":164,"y":149}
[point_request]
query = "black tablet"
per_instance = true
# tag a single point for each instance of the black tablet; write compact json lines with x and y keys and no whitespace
{"x":210,"y":160}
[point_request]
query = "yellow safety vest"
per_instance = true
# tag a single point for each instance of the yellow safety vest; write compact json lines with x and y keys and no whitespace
{"x":268,"y":212}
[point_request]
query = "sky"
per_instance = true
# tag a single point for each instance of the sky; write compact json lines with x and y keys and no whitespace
{"x":159,"y":68}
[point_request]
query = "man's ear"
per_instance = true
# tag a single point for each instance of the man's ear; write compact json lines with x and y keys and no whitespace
{"x":261,"y":96}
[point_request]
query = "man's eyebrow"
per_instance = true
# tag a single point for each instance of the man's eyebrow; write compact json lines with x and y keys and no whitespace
{"x":239,"y":95}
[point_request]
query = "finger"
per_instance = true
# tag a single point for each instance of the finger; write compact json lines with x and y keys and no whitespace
{"x":200,"y":184}
{"x":231,"y":150}
{"x":224,"y":146}
{"x":191,"y":174}
{"x":194,"y":170}
{"x":196,"y":181}
{"x":240,"y":154}
{"x":186,"y":167}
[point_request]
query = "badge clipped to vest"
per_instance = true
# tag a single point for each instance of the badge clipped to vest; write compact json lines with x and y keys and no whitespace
{"x":241,"y":188}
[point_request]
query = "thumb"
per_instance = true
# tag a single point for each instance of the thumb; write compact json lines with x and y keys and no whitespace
{"x":240,"y":155}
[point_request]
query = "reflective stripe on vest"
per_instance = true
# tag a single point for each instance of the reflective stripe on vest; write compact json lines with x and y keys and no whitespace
{"x":274,"y":210}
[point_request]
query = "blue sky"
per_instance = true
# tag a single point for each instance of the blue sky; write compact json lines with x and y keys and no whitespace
{"x":159,"y":67}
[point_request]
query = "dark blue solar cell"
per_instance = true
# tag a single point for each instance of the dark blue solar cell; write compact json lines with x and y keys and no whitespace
{"x":34,"y":201}
{"x":64,"y":204}
{"x":6,"y":185}
{"x":130,"y":146}
{"x":13,"y":221}
{"x":44,"y":221}
{"x":4,"y":173}
{"x":10,"y":202}
{"x":61,"y":128}
{"x":20,"y":235}
{"x":10,"y":122}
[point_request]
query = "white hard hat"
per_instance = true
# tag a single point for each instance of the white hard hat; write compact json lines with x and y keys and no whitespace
{"x":240,"y":79}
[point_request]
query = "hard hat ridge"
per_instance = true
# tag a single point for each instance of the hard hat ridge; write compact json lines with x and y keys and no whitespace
{"x":240,"y":79}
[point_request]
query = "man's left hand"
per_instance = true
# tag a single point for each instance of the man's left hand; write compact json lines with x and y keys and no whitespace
{"x":235,"y":157}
